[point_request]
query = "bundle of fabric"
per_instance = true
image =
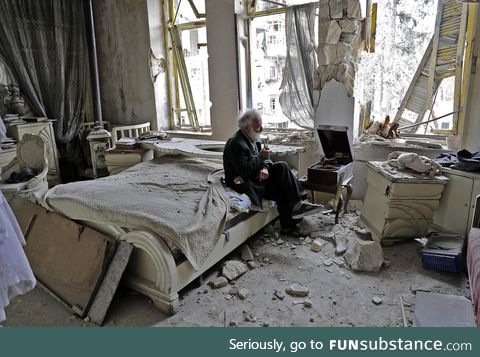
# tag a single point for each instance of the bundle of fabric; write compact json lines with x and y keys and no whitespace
{"x":463,"y":160}
{"x":414,"y":162}
{"x":16,"y":276}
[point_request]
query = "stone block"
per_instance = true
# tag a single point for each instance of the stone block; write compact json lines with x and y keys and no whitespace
{"x":327,"y":54}
{"x":344,"y":53}
{"x":349,"y":26}
{"x":329,"y":32}
{"x":353,"y":9}
{"x":336,"y":8}
{"x":323,"y":10}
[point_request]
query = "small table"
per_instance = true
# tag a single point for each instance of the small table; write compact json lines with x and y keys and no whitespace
{"x":337,"y":190}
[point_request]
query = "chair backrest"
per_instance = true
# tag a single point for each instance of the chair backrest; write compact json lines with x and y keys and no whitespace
{"x":129,"y":131}
{"x":89,"y":125}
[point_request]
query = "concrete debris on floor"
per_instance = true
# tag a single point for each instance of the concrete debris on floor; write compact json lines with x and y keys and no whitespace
{"x":281,"y":281}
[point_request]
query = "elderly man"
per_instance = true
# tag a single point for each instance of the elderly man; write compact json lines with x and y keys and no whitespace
{"x":249,"y":170}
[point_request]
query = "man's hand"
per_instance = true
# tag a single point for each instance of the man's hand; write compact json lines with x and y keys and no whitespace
{"x":265,"y":153}
{"x":262,"y":175}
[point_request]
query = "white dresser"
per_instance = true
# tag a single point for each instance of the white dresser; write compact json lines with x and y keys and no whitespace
{"x":456,"y":208}
{"x":45,"y":131}
{"x":399,"y":204}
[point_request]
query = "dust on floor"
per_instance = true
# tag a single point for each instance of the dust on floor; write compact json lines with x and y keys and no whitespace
{"x":337,"y":295}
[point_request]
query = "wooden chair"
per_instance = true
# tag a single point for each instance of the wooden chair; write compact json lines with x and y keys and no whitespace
{"x":129,"y":131}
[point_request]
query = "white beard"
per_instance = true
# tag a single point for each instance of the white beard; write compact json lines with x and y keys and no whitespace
{"x":254,"y":137}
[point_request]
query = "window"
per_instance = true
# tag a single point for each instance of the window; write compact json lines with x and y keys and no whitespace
{"x":273,"y":73}
{"x":188,"y":76}
{"x":273,"y":101}
{"x":275,"y":26}
{"x":267,"y":59}
{"x":272,"y":39}
{"x":403,"y":33}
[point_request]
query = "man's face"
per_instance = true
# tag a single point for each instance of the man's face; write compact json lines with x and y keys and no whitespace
{"x":255,"y":130}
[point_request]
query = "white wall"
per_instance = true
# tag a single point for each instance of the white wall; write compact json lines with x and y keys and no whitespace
{"x":222,"y":66}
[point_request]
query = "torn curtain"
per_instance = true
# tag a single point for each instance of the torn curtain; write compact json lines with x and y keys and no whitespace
{"x":297,"y":96}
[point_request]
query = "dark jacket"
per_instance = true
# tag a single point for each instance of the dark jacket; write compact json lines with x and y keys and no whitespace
{"x":242,"y":158}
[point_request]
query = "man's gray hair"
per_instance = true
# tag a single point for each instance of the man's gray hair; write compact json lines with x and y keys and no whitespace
{"x":246,"y":118}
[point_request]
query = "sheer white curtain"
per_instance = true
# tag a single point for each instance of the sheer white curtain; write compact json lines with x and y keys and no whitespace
{"x":297,"y":97}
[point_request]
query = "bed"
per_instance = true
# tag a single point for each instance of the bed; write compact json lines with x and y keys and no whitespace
{"x":175,"y":212}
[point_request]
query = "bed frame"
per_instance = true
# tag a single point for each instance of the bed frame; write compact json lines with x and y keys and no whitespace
{"x":152,"y":270}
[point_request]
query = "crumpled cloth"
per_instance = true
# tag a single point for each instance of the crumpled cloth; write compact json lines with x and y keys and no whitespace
{"x":414,"y":162}
{"x":463,"y":160}
{"x":16,"y":276}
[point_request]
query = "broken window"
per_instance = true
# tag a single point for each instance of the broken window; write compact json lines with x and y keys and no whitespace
{"x":397,"y":77}
{"x":188,"y":74}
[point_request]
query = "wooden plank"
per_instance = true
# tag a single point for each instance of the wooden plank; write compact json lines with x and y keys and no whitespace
{"x":414,"y":81}
{"x":25,"y":212}
{"x":457,"y":94}
{"x":106,"y":291}
{"x":69,"y":259}
{"x":433,"y":57}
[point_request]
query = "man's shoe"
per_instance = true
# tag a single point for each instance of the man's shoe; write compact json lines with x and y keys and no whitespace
{"x":306,"y":209}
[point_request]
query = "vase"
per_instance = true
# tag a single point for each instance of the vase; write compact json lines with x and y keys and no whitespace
{"x":13,"y":101}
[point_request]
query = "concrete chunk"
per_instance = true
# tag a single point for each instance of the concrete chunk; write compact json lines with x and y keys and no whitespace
{"x":377,"y":300}
{"x":316,"y":245}
{"x":364,"y":256}
{"x":297,"y":290}
{"x":233,"y":269}
{"x":243,"y":293}
{"x":246,"y":253}
{"x":329,"y":236}
{"x":307,"y":303}
{"x":219,"y":282}
{"x":340,"y":249}
{"x":279,"y":294}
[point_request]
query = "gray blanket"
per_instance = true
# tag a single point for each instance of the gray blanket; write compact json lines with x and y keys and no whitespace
{"x":180,"y":199}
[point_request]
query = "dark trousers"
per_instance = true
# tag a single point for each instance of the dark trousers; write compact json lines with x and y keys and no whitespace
{"x":283,"y":188}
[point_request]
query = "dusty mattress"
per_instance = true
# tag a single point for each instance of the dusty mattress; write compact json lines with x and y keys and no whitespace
{"x":180,"y":199}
